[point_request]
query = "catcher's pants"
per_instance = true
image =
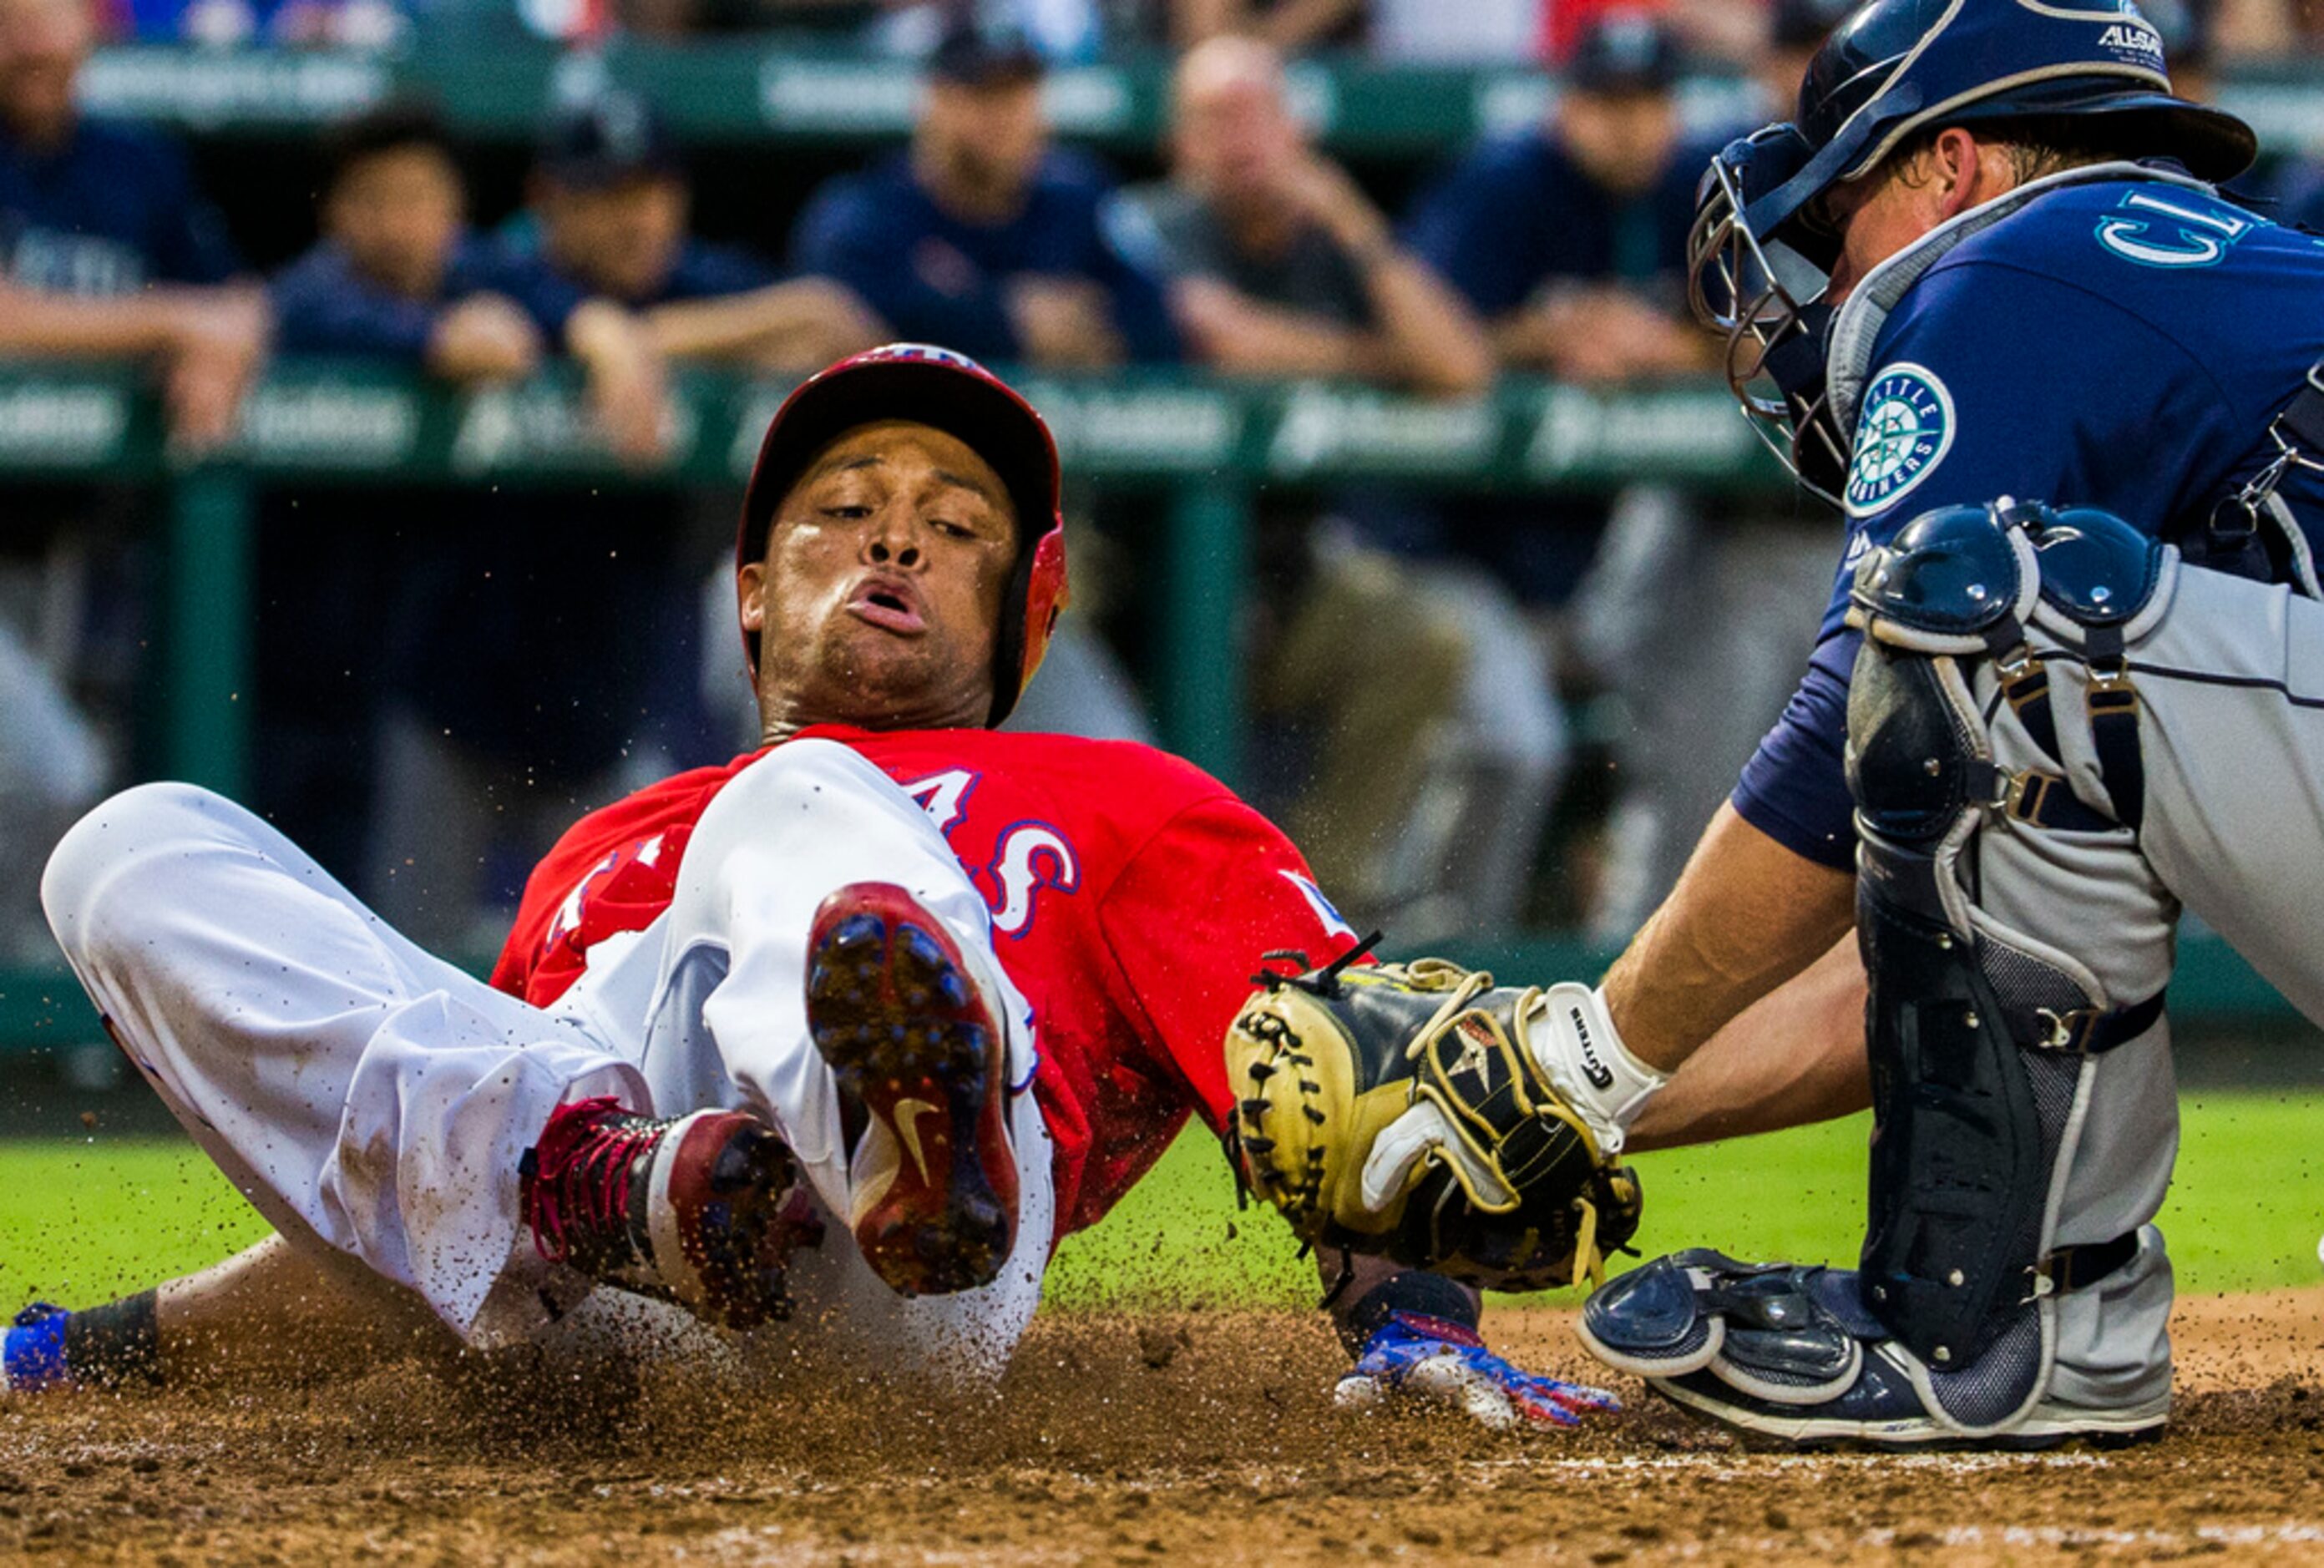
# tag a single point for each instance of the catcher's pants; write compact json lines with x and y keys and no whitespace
{"x":372,"y":1100}
{"x":2231,"y":689}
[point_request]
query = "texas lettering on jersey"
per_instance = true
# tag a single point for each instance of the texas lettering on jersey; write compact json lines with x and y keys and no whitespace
{"x":1027,"y":856}
{"x":1131,"y":897}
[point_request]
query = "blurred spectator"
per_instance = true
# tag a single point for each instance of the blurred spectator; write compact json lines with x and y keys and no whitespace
{"x":2269,"y":28}
{"x":1064,"y":30}
{"x":982,"y":236}
{"x":52,"y":768}
{"x":1280,"y":266}
{"x":483,"y":722}
{"x":609,"y":216}
{"x":1292,"y":27}
{"x":1571,"y":239}
{"x":105,"y":251}
{"x":223,"y":23}
{"x":2189,"y":43}
{"x":106,"y":247}
{"x":1796,"y":29}
{"x":1473,"y":32}
{"x":2292,"y":190}
{"x":396,"y":275}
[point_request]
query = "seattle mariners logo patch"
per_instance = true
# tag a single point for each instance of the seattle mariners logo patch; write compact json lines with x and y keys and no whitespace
{"x":1904,"y":431}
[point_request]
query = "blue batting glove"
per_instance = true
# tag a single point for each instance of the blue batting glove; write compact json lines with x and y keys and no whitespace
{"x":1432,"y":1357}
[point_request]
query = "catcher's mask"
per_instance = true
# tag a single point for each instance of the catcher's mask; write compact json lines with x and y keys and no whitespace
{"x":950,"y":393}
{"x":1759,"y":256}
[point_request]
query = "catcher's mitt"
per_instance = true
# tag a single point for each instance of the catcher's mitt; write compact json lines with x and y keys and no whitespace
{"x":1396,"y":1110}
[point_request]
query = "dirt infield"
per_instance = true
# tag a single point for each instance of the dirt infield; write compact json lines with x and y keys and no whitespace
{"x":1205,"y":1436}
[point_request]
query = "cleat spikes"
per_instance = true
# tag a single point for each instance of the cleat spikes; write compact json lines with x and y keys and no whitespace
{"x":917,"y":1050}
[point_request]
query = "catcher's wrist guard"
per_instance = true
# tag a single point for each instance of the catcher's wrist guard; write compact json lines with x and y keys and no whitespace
{"x":1572,"y":1037}
{"x":1396,"y":1110}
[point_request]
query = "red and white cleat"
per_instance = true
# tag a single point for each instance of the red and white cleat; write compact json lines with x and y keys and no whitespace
{"x":921,"y":1058}
{"x":703,"y":1210}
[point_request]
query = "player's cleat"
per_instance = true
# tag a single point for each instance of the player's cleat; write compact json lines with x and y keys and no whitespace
{"x":920,"y":1056}
{"x":1789,"y":1355}
{"x":703,"y":1210}
{"x":33,"y":1351}
{"x":1883,"y":1409}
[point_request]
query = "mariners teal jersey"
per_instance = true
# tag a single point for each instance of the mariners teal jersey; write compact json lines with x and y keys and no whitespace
{"x":2121,"y":343}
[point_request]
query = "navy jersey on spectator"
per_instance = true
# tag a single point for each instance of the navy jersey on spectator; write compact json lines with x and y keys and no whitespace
{"x":322,"y":305}
{"x":702,"y":272}
{"x":2146,"y":388}
{"x":1517,"y":212}
{"x":111,"y":211}
{"x":935,"y":278}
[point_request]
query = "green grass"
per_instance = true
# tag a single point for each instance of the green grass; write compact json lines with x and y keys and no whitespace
{"x":83,"y":1222}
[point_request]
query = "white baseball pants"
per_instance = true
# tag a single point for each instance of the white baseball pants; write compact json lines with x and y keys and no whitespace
{"x":373,"y":1100}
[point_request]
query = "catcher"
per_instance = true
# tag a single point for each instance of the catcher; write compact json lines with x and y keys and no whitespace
{"x":839,"y":1037}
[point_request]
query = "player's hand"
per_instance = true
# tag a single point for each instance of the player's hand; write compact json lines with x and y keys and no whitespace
{"x":1065,"y":323}
{"x":628,"y":387}
{"x":1411,"y":1356}
{"x":217,"y":341}
{"x":1331,"y":200}
{"x":1596,"y":335}
{"x":485,"y":337}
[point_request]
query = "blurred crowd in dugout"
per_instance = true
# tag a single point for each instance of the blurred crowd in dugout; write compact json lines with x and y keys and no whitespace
{"x":1475,"y":712}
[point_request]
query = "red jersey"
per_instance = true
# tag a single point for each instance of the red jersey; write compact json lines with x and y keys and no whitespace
{"x":1132,"y":896}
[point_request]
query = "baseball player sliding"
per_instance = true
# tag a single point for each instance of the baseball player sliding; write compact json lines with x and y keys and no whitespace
{"x":848,"y":1031}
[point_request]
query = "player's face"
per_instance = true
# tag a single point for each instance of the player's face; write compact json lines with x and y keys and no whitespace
{"x":41,"y":44}
{"x":621,"y":240}
{"x":1880,"y":214}
{"x":1235,"y":139}
{"x":1876,"y":217}
{"x":1622,"y":140}
{"x":877,"y":602}
{"x":397,"y":215}
{"x":987,"y":137}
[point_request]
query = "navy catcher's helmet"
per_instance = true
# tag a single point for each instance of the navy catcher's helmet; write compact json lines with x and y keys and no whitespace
{"x":1892,"y":68}
{"x":951,"y":392}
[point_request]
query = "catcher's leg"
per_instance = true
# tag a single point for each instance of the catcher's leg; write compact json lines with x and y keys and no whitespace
{"x":371,"y":1101}
{"x":2232,"y":686}
{"x":2017,"y":944}
{"x":816,"y":901}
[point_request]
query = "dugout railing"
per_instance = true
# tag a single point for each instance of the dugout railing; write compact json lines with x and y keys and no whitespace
{"x":1207,"y":447}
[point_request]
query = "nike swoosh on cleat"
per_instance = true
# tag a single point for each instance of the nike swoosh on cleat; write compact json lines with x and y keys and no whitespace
{"x":908,"y":1128}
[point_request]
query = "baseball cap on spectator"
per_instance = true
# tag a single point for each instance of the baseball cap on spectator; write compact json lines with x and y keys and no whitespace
{"x":393,"y":126}
{"x":986,"y":51}
{"x":1807,"y":24}
{"x":608,"y":140}
{"x":1624,"y":51}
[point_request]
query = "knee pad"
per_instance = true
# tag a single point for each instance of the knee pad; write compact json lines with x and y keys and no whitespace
{"x":88,"y":860}
{"x":1979,"y":1034}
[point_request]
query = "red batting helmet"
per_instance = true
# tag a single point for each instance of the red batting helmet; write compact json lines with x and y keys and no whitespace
{"x":953,"y":393}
